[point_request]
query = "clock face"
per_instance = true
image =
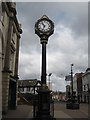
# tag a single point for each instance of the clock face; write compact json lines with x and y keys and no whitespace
{"x":44,"y":26}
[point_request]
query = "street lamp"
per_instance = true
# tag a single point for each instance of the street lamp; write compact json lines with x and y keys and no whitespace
{"x":72,"y":81}
{"x":72,"y":103}
{"x":44,"y":28}
{"x":49,"y":79}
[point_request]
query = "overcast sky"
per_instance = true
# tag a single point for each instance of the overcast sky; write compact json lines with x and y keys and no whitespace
{"x":68,"y":44}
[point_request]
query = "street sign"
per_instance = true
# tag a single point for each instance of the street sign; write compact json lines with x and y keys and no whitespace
{"x":68,"y":78}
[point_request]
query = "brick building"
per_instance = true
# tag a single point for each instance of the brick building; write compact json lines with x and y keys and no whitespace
{"x":86,"y":86}
{"x":11,"y":30}
{"x":77,"y":85}
{"x":67,"y":91}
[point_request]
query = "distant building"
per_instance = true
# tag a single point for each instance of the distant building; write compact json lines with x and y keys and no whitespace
{"x":9,"y":42}
{"x":59,"y":96}
{"x":49,"y":84}
{"x":55,"y":95}
{"x":86,"y":86}
{"x":67,"y":91}
{"x":62,"y":96}
{"x":27,"y":91}
{"x":29,"y":86}
{"x":77,"y":85}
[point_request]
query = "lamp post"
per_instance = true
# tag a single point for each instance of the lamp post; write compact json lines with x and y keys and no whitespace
{"x":44,"y":28}
{"x":72,"y":103}
{"x":72,"y":82}
{"x":49,"y":79}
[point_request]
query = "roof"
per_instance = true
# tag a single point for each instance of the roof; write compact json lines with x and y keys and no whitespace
{"x":78,"y":75}
{"x":86,"y":72}
{"x":28,"y":83}
{"x":88,"y":69}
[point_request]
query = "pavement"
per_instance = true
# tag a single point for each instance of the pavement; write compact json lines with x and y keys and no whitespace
{"x":22,"y":111}
{"x":60,"y":111}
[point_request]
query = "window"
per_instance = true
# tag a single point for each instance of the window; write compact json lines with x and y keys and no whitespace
{"x":1,"y":14}
{"x":11,"y":61}
{"x":32,"y":90}
{"x":2,"y":17}
{"x":87,"y":87}
{"x":28,"y":89}
{"x":84,"y":88}
{"x":22,"y":89}
{"x":13,"y":36}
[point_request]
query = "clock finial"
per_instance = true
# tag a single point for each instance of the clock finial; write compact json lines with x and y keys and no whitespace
{"x":44,"y":16}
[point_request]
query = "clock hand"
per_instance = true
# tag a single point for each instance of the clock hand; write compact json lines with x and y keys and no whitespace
{"x":43,"y":25}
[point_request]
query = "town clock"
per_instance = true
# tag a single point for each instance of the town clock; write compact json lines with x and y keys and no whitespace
{"x":44,"y":27}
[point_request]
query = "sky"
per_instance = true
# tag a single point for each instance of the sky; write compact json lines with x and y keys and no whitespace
{"x":68,"y":44}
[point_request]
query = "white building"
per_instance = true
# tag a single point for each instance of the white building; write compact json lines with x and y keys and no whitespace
{"x":75,"y":83}
{"x":28,"y":86}
{"x":86,"y":85}
{"x":27,"y":90}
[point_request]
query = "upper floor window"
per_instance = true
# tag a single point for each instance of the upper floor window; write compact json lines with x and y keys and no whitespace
{"x":13,"y":38}
{"x":1,"y":12}
{"x":87,"y":87}
{"x":11,"y":65}
{"x":2,"y":16}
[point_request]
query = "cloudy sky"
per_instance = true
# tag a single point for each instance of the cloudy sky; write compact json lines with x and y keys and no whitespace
{"x":68,"y":44}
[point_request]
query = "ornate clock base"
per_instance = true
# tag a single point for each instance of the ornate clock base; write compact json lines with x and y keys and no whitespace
{"x":43,"y":112}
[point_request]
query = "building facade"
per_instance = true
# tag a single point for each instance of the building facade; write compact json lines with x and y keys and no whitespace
{"x":86,"y":86}
{"x":0,"y":64}
{"x":29,"y":86}
{"x":67,"y":91}
{"x":77,"y":85}
{"x":27,"y":91}
{"x":49,"y":84}
{"x":58,"y":96}
{"x":11,"y":30}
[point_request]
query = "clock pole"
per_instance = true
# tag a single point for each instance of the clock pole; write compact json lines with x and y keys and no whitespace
{"x":43,"y":112}
{"x":43,"y":74}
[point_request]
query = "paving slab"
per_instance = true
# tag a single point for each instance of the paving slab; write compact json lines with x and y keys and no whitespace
{"x":60,"y":111}
{"x":60,"y":114}
{"x":22,"y":111}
